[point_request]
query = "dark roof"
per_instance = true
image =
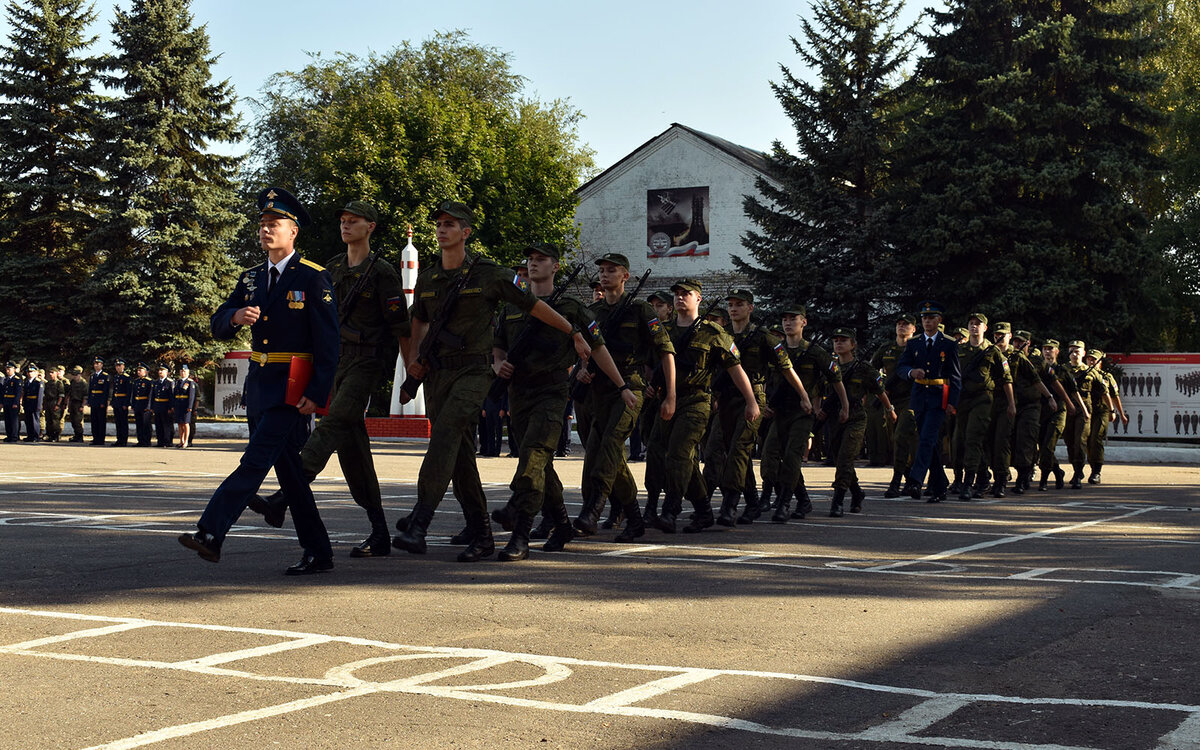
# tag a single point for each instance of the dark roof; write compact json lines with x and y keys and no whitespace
{"x":756,"y":160}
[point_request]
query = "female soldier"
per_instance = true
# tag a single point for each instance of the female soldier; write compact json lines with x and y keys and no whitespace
{"x":185,"y":403}
{"x":860,"y":380}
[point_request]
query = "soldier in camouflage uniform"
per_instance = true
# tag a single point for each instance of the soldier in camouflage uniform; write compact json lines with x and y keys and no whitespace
{"x":793,"y":416}
{"x":458,"y":373}
{"x":655,"y":479}
{"x":860,"y":381}
{"x":77,"y":393}
{"x":1030,"y":388}
{"x":1054,"y":420}
{"x":904,"y":430}
{"x":983,"y":367}
{"x":538,"y":393}
{"x":55,"y":401}
{"x":636,"y":341}
{"x":1107,"y":400}
{"x":373,"y":315}
{"x":700,"y":354}
{"x":1079,"y":425}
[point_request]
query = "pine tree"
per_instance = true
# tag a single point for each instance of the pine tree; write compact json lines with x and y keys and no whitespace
{"x":822,"y":240}
{"x":1022,"y":169}
{"x":174,"y":212}
{"x":51,"y":187}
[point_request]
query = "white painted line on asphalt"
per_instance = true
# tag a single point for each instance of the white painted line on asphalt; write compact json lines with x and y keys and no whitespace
{"x":251,"y":653}
{"x":73,"y":635}
{"x":1033,"y":573}
{"x":916,"y":719}
{"x":1182,"y":582}
{"x":652,"y":689}
{"x":1185,"y":737}
{"x":632,"y":550}
{"x":185,"y":730}
{"x":1012,"y":540}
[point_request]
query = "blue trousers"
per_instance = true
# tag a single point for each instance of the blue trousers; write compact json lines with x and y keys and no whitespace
{"x":278,"y":435}
{"x":929,"y":450}
{"x":99,"y":424}
{"x":12,"y":424}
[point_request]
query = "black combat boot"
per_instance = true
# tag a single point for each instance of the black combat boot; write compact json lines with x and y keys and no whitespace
{"x":635,"y":527}
{"x":893,"y":489}
{"x":729,"y":504}
{"x":783,"y":507}
{"x":506,"y":516}
{"x":764,"y":499}
{"x":956,"y":486}
{"x":804,"y":504}
{"x":588,"y":522}
{"x":562,"y":531}
{"x":835,"y":503}
{"x":999,"y":485}
{"x":751,"y":512}
{"x":483,"y":545}
{"x":856,"y":498}
{"x":1076,"y":480}
{"x":651,"y":511}
{"x":981,"y":483}
{"x":542,"y":530}
{"x":665,"y":521}
{"x":1020,"y":486}
{"x":702,"y":518}
{"x":1095,"y":477}
{"x":379,"y":543}
{"x":412,"y":539}
{"x":964,"y":490}
{"x":615,"y":515}
{"x":750,"y":494}
{"x":1042,"y":482}
{"x":518,"y":544}
{"x":1060,"y":477}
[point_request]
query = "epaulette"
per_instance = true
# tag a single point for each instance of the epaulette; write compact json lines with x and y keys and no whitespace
{"x":310,"y":264}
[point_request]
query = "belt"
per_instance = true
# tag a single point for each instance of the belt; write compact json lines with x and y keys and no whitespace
{"x":458,"y":361}
{"x":275,"y":358}
{"x":120,"y":395}
{"x":162,"y":400}
{"x":358,"y":350}
{"x":97,"y":391}
{"x":931,"y":381}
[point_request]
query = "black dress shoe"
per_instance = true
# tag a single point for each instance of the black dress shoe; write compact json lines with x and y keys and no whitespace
{"x":271,"y":512}
{"x":376,"y":545}
{"x":204,"y":543}
{"x":309,"y":565}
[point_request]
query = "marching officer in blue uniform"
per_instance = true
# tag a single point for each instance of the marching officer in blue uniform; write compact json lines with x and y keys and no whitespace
{"x":930,"y":362}
{"x":99,"y":390}
{"x":13,"y":391}
{"x":31,"y":404}
{"x":121,"y":397}
{"x":143,"y":416}
{"x":162,"y":406}
{"x":289,"y":305}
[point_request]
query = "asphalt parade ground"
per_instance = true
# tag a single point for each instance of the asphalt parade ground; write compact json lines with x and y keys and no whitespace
{"x":1062,"y":619}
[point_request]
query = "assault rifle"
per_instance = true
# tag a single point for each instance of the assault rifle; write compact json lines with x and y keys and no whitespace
{"x":682,"y":360}
{"x":608,"y":330}
{"x":437,"y":332}
{"x":527,"y":340}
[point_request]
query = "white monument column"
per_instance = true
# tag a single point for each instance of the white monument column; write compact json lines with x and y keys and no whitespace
{"x":408,"y":278}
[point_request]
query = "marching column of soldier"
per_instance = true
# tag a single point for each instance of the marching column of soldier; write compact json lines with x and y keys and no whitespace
{"x":697,"y":381}
{"x":41,"y":401}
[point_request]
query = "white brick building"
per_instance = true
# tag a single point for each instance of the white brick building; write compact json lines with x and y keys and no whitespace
{"x":674,"y":204}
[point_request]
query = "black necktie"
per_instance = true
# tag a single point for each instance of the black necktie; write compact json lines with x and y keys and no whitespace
{"x":274,"y":279}
{"x":929,"y":345}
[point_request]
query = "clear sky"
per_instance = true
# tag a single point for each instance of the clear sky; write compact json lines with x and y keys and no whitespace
{"x":632,"y":68}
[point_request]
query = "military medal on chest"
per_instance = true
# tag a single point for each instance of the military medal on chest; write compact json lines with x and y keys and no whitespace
{"x":295,"y":300}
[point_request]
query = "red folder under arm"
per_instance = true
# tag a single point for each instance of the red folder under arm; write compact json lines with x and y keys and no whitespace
{"x":299,"y":374}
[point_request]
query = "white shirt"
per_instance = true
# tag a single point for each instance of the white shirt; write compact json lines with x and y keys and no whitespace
{"x":280,"y":265}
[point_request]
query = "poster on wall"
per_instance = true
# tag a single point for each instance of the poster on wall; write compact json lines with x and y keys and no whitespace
{"x":1161,"y":394}
{"x":677,"y":222}
{"x":230,"y":376}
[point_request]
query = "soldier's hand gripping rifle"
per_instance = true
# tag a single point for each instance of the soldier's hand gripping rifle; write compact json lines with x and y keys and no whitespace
{"x":437,"y":333}
{"x":528,"y":339}
{"x":682,"y":360}
{"x":608,"y":330}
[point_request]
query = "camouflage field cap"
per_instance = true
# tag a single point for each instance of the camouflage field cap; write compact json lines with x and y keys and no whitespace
{"x":845,"y":333}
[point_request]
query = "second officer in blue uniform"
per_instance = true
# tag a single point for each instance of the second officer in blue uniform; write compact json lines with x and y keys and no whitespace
{"x":99,"y":390}
{"x":121,"y":398}
{"x":289,"y":305}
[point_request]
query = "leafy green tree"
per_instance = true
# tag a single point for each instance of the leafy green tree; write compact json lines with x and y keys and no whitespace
{"x":1019,"y":177}
{"x":821,"y":237}
{"x":164,"y":255}
{"x":51,"y":187}
{"x":412,"y":127}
